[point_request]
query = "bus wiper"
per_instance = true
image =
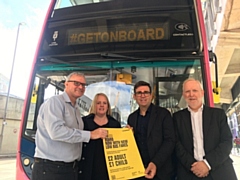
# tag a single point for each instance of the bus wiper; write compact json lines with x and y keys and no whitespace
{"x":111,"y":55}
{"x":55,"y":60}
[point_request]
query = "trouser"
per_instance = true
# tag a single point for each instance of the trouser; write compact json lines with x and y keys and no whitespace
{"x":47,"y":170}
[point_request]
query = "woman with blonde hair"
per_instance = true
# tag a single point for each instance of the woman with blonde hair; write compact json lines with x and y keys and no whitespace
{"x":93,"y":165}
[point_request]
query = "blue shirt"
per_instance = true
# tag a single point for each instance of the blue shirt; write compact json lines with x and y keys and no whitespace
{"x":60,"y":132}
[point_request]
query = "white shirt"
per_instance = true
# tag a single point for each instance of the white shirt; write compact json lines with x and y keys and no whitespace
{"x":197,"y":122}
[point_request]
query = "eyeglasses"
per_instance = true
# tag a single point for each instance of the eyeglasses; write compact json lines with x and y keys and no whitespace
{"x":77,"y":83}
{"x":145,"y":93}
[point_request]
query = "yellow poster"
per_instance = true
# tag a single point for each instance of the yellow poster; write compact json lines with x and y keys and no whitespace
{"x":122,"y":155}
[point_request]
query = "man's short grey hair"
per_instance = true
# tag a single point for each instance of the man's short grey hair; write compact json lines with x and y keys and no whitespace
{"x":74,"y":73}
{"x":192,"y":79}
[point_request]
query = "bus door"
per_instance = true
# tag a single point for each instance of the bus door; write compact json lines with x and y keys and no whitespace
{"x":168,"y":92}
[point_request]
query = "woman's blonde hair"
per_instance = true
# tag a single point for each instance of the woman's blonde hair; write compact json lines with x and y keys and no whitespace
{"x":94,"y":102}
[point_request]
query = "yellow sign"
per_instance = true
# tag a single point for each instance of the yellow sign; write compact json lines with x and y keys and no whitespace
{"x":216,"y":93}
{"x":122,"y":155}
{"x":34,"y":94}
{"x":127,"y":78}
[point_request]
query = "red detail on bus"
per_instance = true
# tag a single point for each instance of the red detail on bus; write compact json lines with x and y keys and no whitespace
{"x":206,"y":55}
{"x":20,"y":173}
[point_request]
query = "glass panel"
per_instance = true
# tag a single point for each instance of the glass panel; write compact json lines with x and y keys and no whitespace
{"x":68,"y":3}
{"x":42,"y":90}
{"x":116,"y":79}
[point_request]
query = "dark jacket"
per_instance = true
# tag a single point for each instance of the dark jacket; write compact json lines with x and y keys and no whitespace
{"x":160,"y":139}
{"x":217,"y":140}
{"x":86,"y":163}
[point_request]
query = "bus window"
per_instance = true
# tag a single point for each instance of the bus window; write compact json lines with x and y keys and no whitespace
{"x":64,"y":4}
{"x":116,"y":80}
{"x":169,"y":87}
{"x":42,"y":90}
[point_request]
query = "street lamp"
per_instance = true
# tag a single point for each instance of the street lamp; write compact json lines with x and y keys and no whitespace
{"x":9,"y":86}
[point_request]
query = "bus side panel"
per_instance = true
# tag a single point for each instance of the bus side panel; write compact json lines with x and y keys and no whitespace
{"x":20,"y":172}
{"x":206,"y":63}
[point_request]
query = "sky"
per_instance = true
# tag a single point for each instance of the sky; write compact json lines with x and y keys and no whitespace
{"x":13,"y":12}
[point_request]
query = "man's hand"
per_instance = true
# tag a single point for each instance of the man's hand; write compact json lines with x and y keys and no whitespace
{"x":150,"y":171}
{"x":200,"y":169}
{"x":99,"y":133}
{"x":129,"y":127}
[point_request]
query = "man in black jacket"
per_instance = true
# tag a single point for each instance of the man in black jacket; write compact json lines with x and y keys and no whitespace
{"x":204,"y":140}
{"x":154,"y":133}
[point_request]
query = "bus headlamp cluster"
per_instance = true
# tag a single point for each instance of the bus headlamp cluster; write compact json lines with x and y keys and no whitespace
{"x":26,"y":161}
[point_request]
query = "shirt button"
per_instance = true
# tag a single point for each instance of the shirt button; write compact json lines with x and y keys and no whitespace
{"x":80,"y":172}
{"x":83,"y":158}
{"x":85,"y":145}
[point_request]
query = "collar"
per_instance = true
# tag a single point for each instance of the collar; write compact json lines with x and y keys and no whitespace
{"x":67,"y":99}
{"x":190,"y":110}
{"x":148,"y":110}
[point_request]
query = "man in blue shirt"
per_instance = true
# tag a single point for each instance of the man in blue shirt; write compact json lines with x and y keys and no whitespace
{"x":60,"y":133}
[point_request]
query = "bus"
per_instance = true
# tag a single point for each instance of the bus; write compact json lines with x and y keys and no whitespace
{"x":115,"y":43}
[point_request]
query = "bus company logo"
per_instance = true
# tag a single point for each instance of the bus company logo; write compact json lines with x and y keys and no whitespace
{"x":181,"y":27}
{"x":55,"y":36}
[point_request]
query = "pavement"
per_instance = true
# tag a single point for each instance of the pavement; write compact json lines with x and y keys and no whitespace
{"x":236,"y":164}
{"x":236,"y":161}
{"x":8,"y":166}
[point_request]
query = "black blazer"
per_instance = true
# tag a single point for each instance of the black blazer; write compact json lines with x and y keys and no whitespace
{"x":86,"y":163}
{"x":217,"y":140}
{"x":160,"y":139}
